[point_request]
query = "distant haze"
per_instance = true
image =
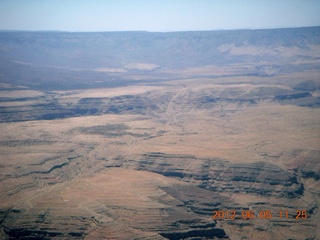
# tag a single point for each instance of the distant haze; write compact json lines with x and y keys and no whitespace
{"x":164,"y":15}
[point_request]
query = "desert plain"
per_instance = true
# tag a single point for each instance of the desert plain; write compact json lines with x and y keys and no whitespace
{"x":141,"y":149}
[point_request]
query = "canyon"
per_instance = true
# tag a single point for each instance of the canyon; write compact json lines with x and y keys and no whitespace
{"x":138,"y":135}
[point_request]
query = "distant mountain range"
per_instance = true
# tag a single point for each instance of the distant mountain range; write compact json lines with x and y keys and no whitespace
{"x":26,"y":57}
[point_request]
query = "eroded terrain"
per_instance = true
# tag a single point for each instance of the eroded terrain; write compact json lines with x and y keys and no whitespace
{"x":154,"y":158}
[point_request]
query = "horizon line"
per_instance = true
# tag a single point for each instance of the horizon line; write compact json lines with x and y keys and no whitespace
{"x":146,"y":31}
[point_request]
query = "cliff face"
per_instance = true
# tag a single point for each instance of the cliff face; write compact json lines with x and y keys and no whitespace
{"x":220,"y":176}
{"x":54,"y":105}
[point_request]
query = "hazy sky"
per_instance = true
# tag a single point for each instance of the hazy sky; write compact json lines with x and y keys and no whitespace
{"x":156,"y":15}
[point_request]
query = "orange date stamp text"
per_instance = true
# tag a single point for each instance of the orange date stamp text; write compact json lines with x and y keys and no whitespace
{"x":261,"y":214}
